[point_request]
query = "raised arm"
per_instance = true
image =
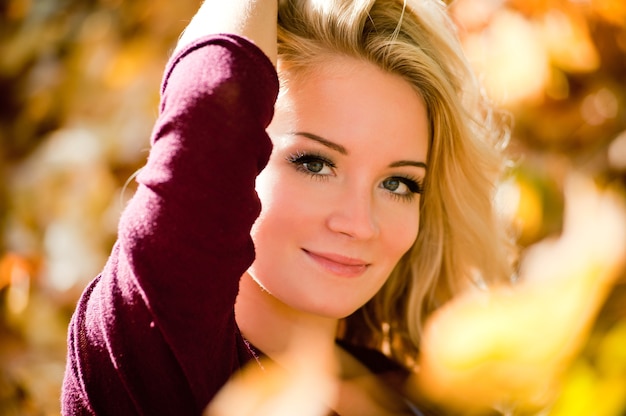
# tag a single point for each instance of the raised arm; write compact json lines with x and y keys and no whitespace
{"x":252,"y":19}
{"x":155,"y":333}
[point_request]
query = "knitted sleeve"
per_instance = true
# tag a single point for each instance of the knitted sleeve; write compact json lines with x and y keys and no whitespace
{"x":155,"y":332}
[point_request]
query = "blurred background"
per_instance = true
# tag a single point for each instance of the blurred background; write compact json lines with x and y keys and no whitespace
{"x":79,"y":90}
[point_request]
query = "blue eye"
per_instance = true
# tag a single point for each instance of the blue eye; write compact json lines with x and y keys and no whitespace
{"x":401,"y":187}
{"x":392,"y":184}
{"x":312,"y":164}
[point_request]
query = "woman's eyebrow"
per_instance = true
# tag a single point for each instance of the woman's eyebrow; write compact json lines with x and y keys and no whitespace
{"x":337,"y":147}
{"x":400,"y":163}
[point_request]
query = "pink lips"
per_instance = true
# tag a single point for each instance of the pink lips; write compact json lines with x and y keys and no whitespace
{"x":339,"y":265}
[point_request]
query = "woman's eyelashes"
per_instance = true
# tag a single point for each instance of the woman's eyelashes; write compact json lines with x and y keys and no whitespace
{"x":321,"y":167}
{"x":402,"y":187}
{"x":312,"y":164}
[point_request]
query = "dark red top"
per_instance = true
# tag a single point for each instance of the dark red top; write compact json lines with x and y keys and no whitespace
{"x":155,"y":332}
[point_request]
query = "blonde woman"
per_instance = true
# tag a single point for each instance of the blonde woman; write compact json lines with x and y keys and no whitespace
{"x":329,"y":189}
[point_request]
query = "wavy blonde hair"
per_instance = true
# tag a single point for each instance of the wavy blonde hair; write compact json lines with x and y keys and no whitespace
{"x":460,"y":241}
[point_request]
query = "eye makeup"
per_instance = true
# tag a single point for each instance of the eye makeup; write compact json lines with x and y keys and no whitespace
{"x":313,"y":164}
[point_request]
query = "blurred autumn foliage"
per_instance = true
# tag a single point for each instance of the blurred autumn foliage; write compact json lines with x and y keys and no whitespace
{"x":79,"y":89}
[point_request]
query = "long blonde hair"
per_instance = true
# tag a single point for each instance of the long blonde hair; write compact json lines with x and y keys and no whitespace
{"x":459,"y":240}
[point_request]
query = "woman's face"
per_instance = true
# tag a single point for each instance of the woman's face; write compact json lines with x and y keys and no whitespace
{"x":340,"y":195}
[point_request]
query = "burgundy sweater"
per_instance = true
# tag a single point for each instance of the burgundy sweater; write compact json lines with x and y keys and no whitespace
{"x":155,"y":332}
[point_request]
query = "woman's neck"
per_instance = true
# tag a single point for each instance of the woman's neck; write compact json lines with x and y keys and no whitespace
{"x":280,"y":331}
{"x":305,"y":344}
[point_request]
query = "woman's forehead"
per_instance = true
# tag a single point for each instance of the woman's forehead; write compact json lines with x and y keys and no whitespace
{"x":353,"y":101}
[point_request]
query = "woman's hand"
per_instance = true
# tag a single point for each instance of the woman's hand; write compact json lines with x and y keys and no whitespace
{"x":255,"y":20}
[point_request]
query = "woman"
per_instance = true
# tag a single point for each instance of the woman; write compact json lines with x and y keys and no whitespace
{"x":373,"y":208}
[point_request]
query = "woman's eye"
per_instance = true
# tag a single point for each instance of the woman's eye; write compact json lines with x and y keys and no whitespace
{"x":392,"y":184}
{"x":401,"y":186}
{"x":312,"y":165}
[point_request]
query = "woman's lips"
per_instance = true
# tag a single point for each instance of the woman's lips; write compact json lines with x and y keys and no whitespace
{"x":338,"y":264}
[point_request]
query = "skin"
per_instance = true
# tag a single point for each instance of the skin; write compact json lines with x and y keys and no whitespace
{"x":253,"y":19}
{"x":337,"y":212}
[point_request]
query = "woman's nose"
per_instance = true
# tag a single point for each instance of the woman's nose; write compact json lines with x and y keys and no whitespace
{"x":352,"y":214}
